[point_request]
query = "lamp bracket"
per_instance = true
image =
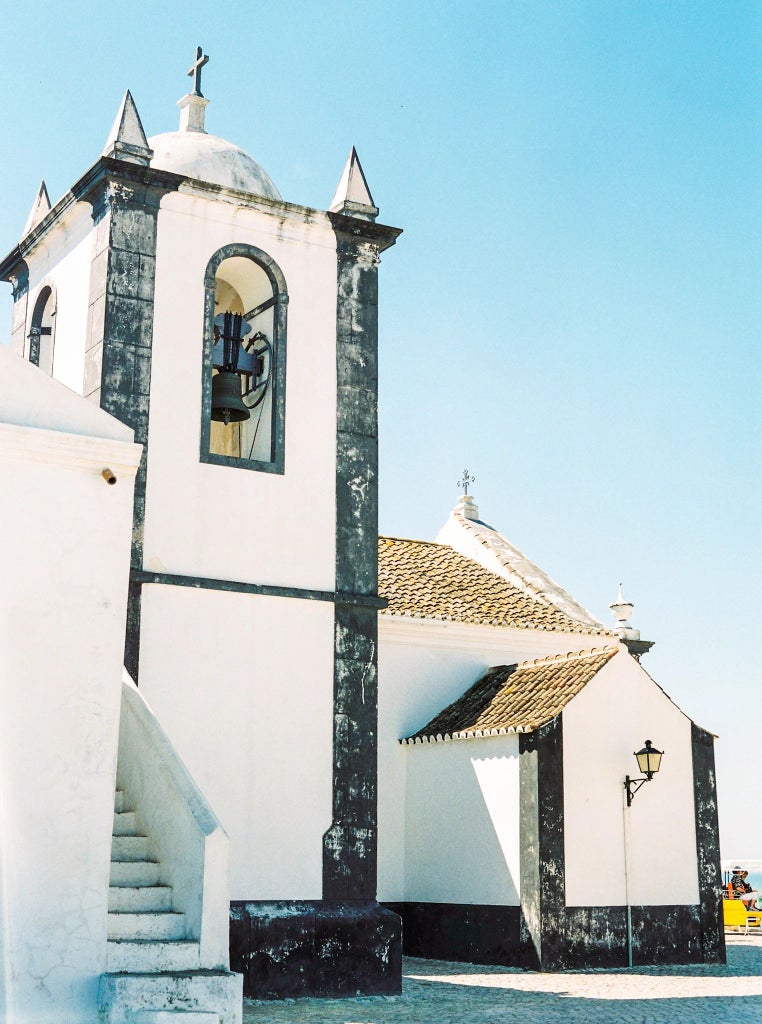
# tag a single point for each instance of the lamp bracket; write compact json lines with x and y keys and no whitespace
{"x":633,"y":785}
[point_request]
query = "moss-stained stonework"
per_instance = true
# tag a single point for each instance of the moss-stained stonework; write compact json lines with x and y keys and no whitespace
{"x":117,"y":374}
{"x":350,"y":844}
{"x":322,"y":947}
{"x":707,"y":846}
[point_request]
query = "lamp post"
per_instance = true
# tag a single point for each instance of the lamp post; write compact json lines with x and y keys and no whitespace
{"x":649,"y":762}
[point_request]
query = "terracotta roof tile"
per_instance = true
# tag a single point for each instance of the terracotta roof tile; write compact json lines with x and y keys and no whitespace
{"x":433,"y":581}
{"x":516,"y":698}
{"x":525,"y":573}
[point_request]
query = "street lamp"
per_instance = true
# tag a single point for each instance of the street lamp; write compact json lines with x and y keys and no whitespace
{"x":649,"y":762}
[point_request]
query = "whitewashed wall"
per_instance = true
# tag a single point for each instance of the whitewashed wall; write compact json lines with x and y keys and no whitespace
{"x":63,"y":260}
{"x":462,"y":822}
{"x":285,"y":525}
{"x":64,"y":557}
{"x":243,"y":686}
{"x":423,"y":667}
{"x":612,"y":717}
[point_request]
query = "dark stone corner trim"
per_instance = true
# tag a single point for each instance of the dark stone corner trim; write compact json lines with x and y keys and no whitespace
{"x":707,"y":846}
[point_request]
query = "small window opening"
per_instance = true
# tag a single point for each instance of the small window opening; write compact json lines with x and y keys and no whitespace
{"x":41,"y":340}
{"x":244,"y":373}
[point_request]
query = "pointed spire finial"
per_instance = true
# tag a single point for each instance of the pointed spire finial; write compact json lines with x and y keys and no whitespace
{"x":127,"y":141}
{"x":352,"y":195}
{"x":40,"y":207}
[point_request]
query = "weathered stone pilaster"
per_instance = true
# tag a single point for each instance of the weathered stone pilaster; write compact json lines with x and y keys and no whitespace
{"x":707,"y":846}
{"x":349,"y":858}
{"x":543,"y":873}
{"x":117,"y":372}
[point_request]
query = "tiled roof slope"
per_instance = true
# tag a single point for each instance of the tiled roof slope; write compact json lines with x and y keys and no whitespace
{"x":516,"y":698}
{"x":514,"y":562}
{"x":482,"y":542}
{"x":433,"y":581}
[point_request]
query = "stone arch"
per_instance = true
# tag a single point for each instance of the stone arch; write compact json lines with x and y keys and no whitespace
{"x":239,"y":263}
{"x":42,"y":328}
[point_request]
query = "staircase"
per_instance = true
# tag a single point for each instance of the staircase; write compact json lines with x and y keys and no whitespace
{"x":155,"y":970}
{"x":144,"y":933}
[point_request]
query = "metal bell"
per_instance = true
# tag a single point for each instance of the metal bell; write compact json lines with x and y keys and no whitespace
{"x":227,"y":404}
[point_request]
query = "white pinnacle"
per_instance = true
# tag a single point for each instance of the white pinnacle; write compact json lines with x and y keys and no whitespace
{"x":127,"y":140}
{"x":352,"y":194}
{"x":40,"y":207}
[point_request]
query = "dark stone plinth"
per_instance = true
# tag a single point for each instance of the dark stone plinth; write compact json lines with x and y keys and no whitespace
{"x":315,"y":948}
{"x":596,"y":937}
{"x":666,"y":935}
{"x":466,"y":933}
{"x":591,"y":937}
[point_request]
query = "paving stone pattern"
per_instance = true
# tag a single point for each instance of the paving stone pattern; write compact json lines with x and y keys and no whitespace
{"x":435,"y":992}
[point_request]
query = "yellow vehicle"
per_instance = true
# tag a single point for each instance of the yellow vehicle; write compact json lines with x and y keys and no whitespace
{"x":735,"y":915}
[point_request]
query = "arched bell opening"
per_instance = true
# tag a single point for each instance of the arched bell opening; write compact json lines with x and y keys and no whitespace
{"x":244,"y":367}
{"x":41,"y":339}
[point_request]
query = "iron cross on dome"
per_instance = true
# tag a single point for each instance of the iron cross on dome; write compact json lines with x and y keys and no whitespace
{"x":194,"y":71}
{"x":465,"y":480}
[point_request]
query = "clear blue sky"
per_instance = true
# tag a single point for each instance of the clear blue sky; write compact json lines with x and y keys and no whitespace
{"x":574,"y":309}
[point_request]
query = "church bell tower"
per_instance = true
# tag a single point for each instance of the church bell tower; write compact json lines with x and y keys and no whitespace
{"x":237,"y":334}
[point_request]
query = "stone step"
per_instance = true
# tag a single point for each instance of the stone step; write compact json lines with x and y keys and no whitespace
{"x":119,"y":801}
{"x":131,"y":848}
{"x":122,"y":997}
{"x":139,"y":899}
{"x":125,"y":824}
{"x":134,"y":873}
{"x":146,"y":927}
{"x":132,"y":957}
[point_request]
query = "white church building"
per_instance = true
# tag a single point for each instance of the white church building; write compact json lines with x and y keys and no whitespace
{"x":249,"y":747}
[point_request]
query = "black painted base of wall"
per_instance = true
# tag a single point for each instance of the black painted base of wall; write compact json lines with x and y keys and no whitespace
{"x":594,"y":936}
{"x":597,"y":936}
{"x":315,"y":948}
{"x":465,"y":932}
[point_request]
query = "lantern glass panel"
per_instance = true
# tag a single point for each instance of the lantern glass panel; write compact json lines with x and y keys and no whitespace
{"x":649,"y":759}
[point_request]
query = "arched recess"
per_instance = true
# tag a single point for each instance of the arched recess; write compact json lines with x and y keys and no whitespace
{"x":42,"y":329}
{"x":245,"y":280}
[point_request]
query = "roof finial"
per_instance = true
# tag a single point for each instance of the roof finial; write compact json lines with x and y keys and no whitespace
{"x":193,"y":105}
{"x":621,"y":609}
{"x":466,"y":505}
{"x":194,"y":71}
{"x":465,"y":480}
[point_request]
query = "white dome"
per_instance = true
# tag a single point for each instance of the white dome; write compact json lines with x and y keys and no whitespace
{"x":210,"y":158}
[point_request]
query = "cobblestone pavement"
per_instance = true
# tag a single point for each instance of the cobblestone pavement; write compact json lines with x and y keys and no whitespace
{"x":435,"y":992}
